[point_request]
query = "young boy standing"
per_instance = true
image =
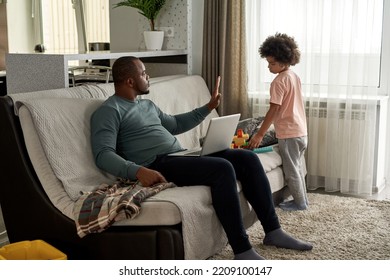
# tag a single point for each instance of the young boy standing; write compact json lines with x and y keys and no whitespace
{"x":287,"y":113}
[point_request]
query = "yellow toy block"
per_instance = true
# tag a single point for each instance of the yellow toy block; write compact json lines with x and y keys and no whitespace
{"x":240,"y":140}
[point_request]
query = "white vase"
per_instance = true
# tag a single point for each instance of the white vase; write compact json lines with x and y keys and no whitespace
{"x":154,"y":40}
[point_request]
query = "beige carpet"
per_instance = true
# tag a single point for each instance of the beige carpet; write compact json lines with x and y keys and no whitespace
{"x":340,"y":228}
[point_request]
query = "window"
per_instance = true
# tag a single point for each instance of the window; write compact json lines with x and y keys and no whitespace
{"x":340,"y":41}
{"x":60,"y":28}
{"x":344,"y":69}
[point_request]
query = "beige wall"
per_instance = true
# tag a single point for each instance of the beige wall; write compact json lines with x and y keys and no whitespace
{"x":20,"y":26}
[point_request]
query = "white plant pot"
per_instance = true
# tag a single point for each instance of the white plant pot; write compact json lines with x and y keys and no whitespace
{"x":154,"y":40}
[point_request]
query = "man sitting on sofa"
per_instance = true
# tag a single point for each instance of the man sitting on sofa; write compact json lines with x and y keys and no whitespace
{"x":131,"y":138}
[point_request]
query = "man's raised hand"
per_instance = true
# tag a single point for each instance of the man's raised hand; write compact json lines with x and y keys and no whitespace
{"x":215,"y":96}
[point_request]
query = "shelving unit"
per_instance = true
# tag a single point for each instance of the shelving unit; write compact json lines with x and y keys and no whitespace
{"x":40,"y":71}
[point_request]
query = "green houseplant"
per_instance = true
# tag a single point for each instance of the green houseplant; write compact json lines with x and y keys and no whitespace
{"x":150,"y":9}
{"x":147,"y":8}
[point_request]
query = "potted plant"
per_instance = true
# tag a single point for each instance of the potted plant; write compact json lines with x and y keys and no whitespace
{"x":149,"y":9}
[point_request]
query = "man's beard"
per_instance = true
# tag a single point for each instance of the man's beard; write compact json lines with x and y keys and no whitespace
{"x":145,"y":92}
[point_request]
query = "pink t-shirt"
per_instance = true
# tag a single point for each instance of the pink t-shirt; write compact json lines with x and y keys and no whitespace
{"x":290,"y":121}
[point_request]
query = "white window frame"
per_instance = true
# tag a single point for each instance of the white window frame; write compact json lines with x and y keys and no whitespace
{"x":384,"y":83}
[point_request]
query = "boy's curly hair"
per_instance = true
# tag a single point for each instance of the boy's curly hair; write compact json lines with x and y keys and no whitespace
{"x":281,"y":47}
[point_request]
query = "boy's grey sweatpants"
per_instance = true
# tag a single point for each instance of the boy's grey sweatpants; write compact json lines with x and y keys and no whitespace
{"x":292,"y":150}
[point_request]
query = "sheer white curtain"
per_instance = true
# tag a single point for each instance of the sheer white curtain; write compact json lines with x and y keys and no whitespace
{"x":59,"y":26}
{"x":340,"y":44}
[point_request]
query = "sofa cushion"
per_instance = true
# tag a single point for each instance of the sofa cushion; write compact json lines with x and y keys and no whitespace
{"x":252,"y":125}
{"x":271,"y":160}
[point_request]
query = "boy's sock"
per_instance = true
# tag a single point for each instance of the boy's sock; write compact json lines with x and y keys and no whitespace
{"x":250,"y":254}
{"x":281,"y":239}
{"x":292,"y":206}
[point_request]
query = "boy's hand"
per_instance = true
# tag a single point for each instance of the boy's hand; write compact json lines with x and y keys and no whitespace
{"x":255,"y":141}
{"x":215,"y":96}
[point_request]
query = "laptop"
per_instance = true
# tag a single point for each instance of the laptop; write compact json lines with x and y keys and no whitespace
{"x":218,"y":137}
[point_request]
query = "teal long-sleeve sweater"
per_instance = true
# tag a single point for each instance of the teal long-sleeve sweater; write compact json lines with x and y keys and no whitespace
{"x":126,"y":135}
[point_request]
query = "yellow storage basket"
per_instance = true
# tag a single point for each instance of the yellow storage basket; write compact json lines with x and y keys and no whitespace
{"x":31,"y":250}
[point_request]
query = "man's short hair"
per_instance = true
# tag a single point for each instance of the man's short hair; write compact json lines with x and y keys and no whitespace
{"x":124,"y":68}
